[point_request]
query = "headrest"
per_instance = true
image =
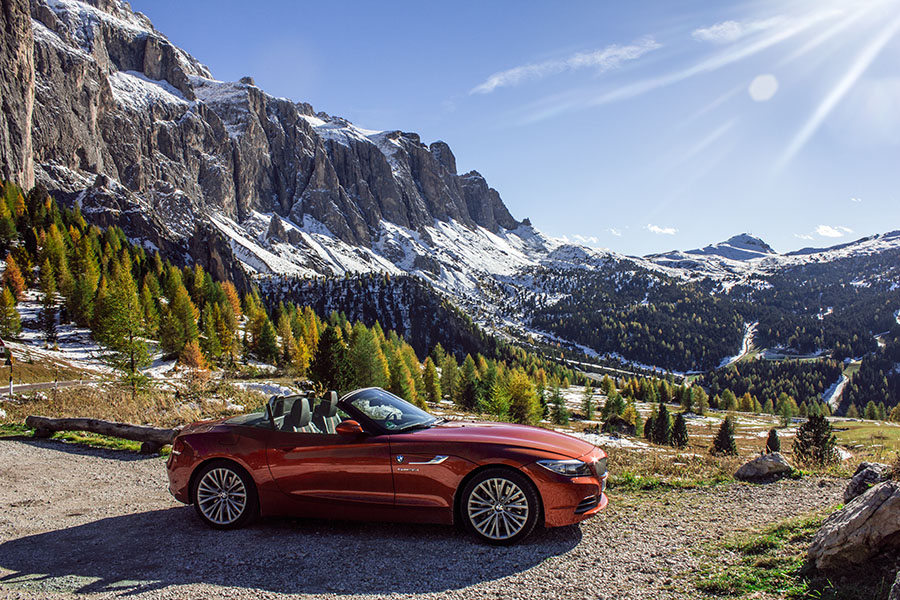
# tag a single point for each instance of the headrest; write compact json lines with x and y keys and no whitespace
{"x":327,"y":407}
{"x":299,"y":416}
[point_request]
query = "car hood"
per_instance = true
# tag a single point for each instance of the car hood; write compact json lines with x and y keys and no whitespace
{"x":506,"y":435}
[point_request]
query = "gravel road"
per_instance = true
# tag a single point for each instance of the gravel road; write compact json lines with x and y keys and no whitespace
{"x":84,"y":523}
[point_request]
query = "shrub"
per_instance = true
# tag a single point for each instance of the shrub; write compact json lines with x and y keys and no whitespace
{"x":679,"y":432}
{"x":724,"y":441}
{"x":816,"y":442}
{"x":773,"y":444}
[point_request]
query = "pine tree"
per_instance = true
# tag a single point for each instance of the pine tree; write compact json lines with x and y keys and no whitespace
{"x":331,"y":365}
{"x":871,"y":412}
{"x":151,"y":314}
{"x":679,"y":432}
{"x":10,"y":324}
{"x":815,"y":442}
{"x":587,"y":402}
{"x":12,"y":278}
{"x":700,"y":400}
{"x":449,"y":377}
{"x":729,"y":401}
{"x":852,"y":412}
{"x":267,"y":344}
{"x":662,"y":427}
{"x":432,"y":382}
{"x":650,"y":424}
{"x":368,"y":364}
{"x":558,"y":412}
{"x":773,"y":444}
{"x":467,"y":395}
{"x":192,"y":357}
{"x":119,"y":327}
{"x":48,"y":303}
{"x":524,"y":406}
{"x":687,"y":399}
{"x":180,"y":323}
{"x":724,"y":441}
{"x":402,"y":383}
{"x":209,"y":341}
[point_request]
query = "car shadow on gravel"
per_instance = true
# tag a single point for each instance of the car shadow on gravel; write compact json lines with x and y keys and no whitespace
{"x":157,"y":549}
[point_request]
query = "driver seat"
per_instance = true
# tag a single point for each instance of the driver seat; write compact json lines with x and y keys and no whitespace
{"x":299,"y":416}
{"x":325,"y":417}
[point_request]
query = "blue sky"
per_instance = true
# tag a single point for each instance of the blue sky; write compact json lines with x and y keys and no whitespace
{"x":637,"y":126}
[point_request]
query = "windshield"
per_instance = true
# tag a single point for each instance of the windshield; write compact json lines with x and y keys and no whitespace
{"x":388,"y":411}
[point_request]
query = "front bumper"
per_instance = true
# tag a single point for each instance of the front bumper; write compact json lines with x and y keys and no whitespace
{"x":569,"y":500}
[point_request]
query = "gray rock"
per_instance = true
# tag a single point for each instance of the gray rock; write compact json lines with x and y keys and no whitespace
{"x":867,"y":474}
{"x":17,"y":92}
{"x":113,"y":97}
{"x":864,"y":528}
{"x":895,"y":589}
{"x":764,"y":467}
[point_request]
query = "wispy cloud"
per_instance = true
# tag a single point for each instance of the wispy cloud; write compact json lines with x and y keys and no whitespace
{"x":661,"y":230}
{"x":832,"y":232}
{"x":614,"y":231}
{"x":604,"y":59}
{"x":803,"y":236}
{"x":855,"y":199}
{"x":844,"y":85}
{"x":786,"y":29}
{"x":731,"y":31}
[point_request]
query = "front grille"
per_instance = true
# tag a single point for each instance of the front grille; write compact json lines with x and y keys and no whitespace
{"x":587,"y":504}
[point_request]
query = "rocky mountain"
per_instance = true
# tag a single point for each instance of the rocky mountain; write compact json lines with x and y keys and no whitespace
{"x":103,"y":111}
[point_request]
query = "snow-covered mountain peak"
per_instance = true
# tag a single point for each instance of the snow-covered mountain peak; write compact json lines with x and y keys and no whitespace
{"x":739,"y":247}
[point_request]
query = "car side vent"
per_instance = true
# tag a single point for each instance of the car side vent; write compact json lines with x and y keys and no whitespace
{"x":587,"y":504}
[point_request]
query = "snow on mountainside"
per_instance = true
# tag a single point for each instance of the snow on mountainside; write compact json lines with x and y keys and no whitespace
{"x":742,"y":257}
{"x":255,"y":187}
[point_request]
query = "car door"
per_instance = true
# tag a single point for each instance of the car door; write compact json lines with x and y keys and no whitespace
{"x":332,"y":475}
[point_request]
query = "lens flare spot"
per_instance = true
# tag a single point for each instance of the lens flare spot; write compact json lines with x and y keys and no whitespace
{"x":763,"y":87}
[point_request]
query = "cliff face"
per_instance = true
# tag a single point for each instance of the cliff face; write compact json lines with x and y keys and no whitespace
{"x":126,"y":122}
{"x":16,"y":92}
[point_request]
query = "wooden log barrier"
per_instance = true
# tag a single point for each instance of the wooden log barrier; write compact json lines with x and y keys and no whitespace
{"x":152,"y":438}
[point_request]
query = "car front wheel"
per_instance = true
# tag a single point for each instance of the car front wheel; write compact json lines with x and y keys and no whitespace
{"x":224,"y":495}
{"x":499,"y":506}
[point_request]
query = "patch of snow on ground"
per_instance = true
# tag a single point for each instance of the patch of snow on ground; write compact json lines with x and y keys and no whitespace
{"x":832,"y":395}
{"x":609,"y":441}
{"x":265,"y":387}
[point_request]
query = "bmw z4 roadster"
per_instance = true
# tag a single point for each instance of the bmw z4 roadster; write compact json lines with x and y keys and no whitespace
{"x":373,"y":456}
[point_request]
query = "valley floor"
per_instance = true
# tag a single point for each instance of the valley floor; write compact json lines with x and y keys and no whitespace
{"x":86,"y":523}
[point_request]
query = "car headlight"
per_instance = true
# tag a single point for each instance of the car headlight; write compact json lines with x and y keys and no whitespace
{"x":600,"y":467}
{"x":569,"y":468}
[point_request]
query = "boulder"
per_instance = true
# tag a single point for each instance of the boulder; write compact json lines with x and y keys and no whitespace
{"x":864,"y":528}
{"x":764,"y":467}
{"x":895,"y":591}
{"x":867,"y":474}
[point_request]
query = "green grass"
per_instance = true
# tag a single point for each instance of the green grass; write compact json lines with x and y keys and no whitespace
{"x":84,"y":438}
{"x":882,"y":440}
{"x":772,"y":563}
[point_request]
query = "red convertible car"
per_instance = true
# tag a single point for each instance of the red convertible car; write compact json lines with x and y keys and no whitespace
{"x":372,"y":456}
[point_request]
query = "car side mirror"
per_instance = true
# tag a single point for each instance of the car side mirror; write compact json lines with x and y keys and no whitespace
{"x":349,"y":427}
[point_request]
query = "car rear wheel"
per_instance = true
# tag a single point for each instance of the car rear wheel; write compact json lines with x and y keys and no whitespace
{"x":500,"y":506}
{"x":224,"y":495}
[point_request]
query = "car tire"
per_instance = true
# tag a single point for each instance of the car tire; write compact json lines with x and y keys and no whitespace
{"x":499,"y":506}
{"x":224,"y":495}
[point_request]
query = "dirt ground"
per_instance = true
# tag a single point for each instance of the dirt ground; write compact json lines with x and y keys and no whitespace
{"x":77,"y":522}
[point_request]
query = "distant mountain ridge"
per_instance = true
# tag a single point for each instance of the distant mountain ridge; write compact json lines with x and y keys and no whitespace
{"x":105,"y":112}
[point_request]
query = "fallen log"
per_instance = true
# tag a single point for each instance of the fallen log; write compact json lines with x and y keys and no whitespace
{"x":152,"y":438}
